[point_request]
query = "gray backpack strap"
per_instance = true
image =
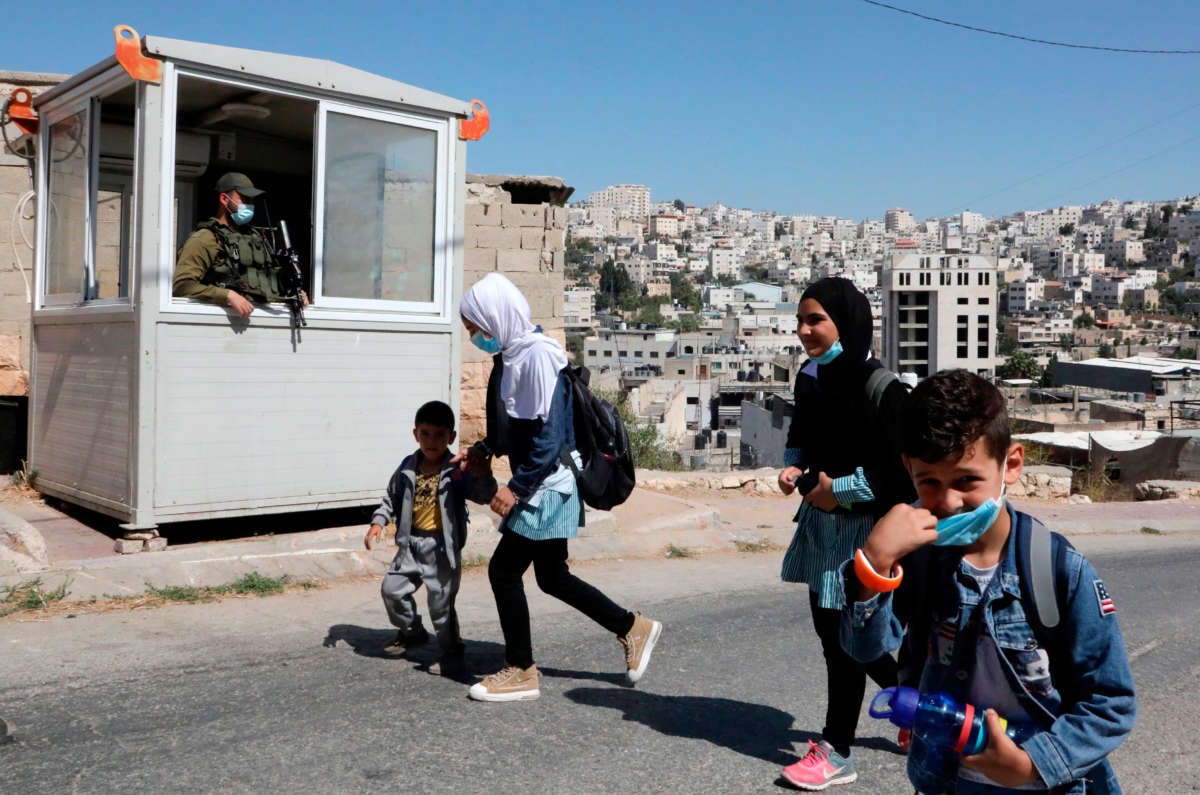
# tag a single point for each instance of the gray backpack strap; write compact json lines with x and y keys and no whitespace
{"x":877,"y":383}
{"x":1041,"y":577}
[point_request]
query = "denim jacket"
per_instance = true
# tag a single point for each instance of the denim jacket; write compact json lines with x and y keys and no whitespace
{"x":535,"y":446}
{"x":1070,"y":752}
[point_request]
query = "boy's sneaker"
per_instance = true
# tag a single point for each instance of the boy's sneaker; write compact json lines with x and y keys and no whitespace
{"x":508,"y":684}
{"x":821,"y":767}
{"x":402,"y":643}
{"x":638,"y":643}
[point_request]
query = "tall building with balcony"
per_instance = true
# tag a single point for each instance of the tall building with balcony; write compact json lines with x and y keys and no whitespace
{"x":939,"y":312}
{"x":899,"y":220}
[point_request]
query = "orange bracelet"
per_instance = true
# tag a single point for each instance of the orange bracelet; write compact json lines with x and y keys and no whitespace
{"x":872,"y":579}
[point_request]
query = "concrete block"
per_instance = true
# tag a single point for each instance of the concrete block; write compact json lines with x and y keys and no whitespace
{"x":156,"y":544}
{"x":518,"y":260}
{"x":10,"y":352}
{"x":558,"y":303}
{"x":499,"y":237}
{"x":480,"y":260}
{"x":127,"y":546}
{"x":532,"y":238}
{"x":560,"y":260}
{"x":524,"y":215}
{"x":13,"y":382}
{"x":559,"y":217}
{"x":541,"y":304}
{"x":546,"y":260}
{"x":483,"y":215}
{"x":554,"y":240}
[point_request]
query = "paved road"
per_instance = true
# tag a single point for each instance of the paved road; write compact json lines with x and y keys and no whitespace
{"x":284,"y":693}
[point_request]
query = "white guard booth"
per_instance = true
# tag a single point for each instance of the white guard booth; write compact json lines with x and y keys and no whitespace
{"x":154,"y":409}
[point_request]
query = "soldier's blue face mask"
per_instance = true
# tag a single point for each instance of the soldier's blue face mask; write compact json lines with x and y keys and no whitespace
{"x":485,"y":343}
{"x":828,"y":356}
{"x":242,"y":215}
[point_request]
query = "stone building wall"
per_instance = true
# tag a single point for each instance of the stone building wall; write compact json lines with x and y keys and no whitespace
{"x":515,"y":226}
{"x":15,"y":183}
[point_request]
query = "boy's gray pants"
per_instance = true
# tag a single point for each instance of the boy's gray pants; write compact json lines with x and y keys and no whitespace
{"x":422,"y":560}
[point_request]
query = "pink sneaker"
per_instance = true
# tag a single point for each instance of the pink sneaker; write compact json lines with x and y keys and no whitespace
{"x":821,"y":767}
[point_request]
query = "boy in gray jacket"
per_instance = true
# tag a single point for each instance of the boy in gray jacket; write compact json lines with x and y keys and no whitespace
{"x":427,"y":497}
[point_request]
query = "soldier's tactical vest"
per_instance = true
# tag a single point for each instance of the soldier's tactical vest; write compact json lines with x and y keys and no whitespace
{"x":246,"y":264}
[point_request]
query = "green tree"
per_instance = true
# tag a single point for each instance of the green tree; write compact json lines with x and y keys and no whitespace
{"x":686,"y":324}
{"x":649,"y":314}
{"x":1084,"y":321}
{"x":1130,"y":222}
{"x":577,"y":249}
{"x":679,"y":205}
{"x":684,"y":292}
{"x":1020,"y":365}
{"x":1106,"y":351}
{"x":1047,"y":379}
{"x":1006,"y":345}
{"x":1066,"y":341}
{"x":1067,"y":229}
{"x":1182,"y":353}
{"x":1167,"y":212}
{"x":616,"y":289}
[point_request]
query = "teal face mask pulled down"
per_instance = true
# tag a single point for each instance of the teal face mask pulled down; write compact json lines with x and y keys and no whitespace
{"x":835,"y":350}
{"x":485,"y":343}
{"x":964,"y":529}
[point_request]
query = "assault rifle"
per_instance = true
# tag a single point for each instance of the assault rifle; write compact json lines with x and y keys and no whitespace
{"x":291,"y":279}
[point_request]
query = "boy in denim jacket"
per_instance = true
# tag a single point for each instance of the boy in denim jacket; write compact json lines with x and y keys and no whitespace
{"x":977,"y":643}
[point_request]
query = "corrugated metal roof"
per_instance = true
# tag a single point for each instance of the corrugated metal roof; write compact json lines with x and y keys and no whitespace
{"x":1153,"y":364}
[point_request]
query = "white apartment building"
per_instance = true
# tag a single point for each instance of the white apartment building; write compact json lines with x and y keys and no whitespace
{"x":665,"y":225}
{"x":630,"y":201}
{"x":939,"y":312}
{"x":625,"y":349}
{"x":724,"y":297}
{"x":1022,"y":294}
{"x":1123,"y":252}
{"x":899,"y":220}
{"x":724,"y":261}
{"x":970,"y":223}
{"x":579,"y":307}
{"x":1036,"y":331}
{"x":660,"y":252}
{"x":1110,"y":290}
{"x":604,"y":218}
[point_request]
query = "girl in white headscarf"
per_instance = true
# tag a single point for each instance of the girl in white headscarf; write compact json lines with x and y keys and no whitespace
{"x":540,"y":504}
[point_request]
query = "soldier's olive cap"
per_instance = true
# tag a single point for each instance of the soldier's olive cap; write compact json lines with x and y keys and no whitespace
{"x":239,"y":182}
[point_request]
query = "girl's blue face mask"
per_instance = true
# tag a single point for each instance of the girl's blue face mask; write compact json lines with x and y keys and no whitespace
{"x":485,"y":343}
{"x":828,"y":356}
{"x":964,"y":529}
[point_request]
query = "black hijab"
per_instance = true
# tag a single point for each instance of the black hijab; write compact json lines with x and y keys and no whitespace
{"x":850,"y":311}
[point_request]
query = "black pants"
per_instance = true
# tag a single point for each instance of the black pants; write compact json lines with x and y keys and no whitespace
{"x":847,"y":679}
{"x":512,"y":557}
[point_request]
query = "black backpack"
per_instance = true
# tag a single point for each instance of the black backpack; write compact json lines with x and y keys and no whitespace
{"x":606,"y":478}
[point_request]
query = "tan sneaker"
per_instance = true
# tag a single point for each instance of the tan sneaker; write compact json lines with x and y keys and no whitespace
{"x":508,"y":684}
{"x":638,"y":643}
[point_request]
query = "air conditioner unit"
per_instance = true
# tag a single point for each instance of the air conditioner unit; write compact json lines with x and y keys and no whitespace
{"x":117,"y":146}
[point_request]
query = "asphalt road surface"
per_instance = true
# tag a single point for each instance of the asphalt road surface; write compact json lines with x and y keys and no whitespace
{"x":287,"y":694}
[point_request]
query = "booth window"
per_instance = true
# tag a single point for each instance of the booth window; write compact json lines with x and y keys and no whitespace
{"x":66,"y":209}
{"x":89,"y":187}
{"x":380,"y":210}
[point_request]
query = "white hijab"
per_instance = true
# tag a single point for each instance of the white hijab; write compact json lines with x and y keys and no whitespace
{"x":532,"y":361}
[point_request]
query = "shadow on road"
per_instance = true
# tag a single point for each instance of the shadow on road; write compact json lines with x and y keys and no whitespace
{"x":481,"y":655}
{"x":599,"y":676}
{"x":755,"y":730}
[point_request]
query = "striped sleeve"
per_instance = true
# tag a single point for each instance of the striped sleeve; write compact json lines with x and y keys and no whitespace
{"x":850,"y":489}
{"x":793,"y":457}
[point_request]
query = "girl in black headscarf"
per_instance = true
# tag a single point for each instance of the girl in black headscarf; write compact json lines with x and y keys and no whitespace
{"x":843,"y":454}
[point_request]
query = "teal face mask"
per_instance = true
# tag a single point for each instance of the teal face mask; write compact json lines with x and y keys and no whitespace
{"x":964,"y":529}
{"x":828,"y":356}
{"x":485,"y":343}
{"x":242,"y":215}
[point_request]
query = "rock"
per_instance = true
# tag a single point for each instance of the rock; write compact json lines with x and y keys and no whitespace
{"x":1017,"y":489}
{"x":1060,"y":487}
{"x":22,"y":548}
{"x":156,"y":544}
{"x":731,"y":482}
{"x":128,"y":546}
{"x":141,"y":535}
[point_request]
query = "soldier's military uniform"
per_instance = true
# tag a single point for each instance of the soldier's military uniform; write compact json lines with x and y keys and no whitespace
{"x":217,"y":258}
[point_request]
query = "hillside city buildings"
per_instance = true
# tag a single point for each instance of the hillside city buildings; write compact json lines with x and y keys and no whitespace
{"x":690,"y":312}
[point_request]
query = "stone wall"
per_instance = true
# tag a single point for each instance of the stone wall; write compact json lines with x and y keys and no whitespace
{"x":15,"y":182}
{"x":515,"y":226}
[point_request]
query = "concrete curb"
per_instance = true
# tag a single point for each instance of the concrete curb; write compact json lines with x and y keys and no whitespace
{"x":339,"y":552}
{"x":22,"y":548}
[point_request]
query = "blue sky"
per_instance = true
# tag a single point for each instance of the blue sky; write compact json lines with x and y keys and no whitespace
{"x":810,"y":106}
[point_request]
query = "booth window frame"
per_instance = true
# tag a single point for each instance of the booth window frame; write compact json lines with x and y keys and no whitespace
{"x":85,"y":99}
{"x":436,"y":312}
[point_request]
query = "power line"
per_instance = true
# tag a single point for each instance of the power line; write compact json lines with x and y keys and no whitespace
{"x":1028,"y":38}
{"x":1128,"y":166}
